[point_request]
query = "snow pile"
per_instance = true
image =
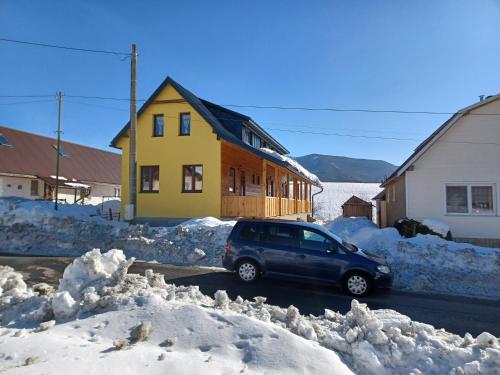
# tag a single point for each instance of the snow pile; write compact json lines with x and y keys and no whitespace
{"x":94,"y":270}
{"x":13,"y":289}
{"x":437,"y":226}
{"x":427,"y":263}
{"x":33,"y":227}
{"x":328,"y":204}
{"x":294,"y":165}
{"x":39,"y":212}
{"x":185,"y":331}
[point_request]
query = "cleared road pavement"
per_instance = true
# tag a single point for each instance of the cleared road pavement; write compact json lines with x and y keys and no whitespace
{"x":455,"y":314}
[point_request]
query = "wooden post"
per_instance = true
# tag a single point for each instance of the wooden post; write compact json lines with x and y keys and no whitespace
{"x":276,"y":191}
{"x":264,"y":187}
{"x":133,"y":128}
{"x":58,"y":147}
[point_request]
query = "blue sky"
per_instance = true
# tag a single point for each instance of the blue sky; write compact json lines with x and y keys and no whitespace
{"x":421,"y":55}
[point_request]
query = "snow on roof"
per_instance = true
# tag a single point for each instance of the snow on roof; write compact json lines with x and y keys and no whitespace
{"x":77,"y":184}
{"x":294,"y":165}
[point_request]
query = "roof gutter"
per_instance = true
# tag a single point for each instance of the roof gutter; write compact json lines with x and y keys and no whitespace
{"x":312,"y":199}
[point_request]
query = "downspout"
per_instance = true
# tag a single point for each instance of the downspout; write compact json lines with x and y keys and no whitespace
{"x":312,"y":199}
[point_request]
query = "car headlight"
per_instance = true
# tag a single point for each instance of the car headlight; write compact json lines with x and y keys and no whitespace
{"x":383,"y":268}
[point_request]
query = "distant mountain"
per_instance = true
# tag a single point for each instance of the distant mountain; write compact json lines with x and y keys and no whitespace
{"x":343,"y":169}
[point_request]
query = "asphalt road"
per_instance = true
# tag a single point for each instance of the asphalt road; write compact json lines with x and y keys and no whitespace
{"x":455,"y":314}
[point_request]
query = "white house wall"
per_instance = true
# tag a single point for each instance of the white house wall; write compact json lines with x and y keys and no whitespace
{"x":455,"y":158}
{"x":17,"y":187}
{"x":9,"y":187}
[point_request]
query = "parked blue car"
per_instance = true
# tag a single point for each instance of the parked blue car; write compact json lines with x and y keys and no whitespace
{"x":302,"y":251}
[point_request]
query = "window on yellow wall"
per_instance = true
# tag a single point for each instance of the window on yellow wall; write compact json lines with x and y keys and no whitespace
{"x":150,"y":179}
{"x":192,"y":178}
{"x":185,"y":124}
{"x":158,"y":125}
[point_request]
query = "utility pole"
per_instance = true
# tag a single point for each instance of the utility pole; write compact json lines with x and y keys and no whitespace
{"x":132,"y":146}
{"x":58,"y":147}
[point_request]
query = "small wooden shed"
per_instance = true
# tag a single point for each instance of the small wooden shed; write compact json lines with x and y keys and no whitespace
{"x":357,"y":207}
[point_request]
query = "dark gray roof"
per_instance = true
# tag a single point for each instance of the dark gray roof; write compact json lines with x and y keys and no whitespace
{"x":222,"y":121}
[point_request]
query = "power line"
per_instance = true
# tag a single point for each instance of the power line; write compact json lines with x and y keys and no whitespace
{"x":309,"y":132}
{"x":332,"y":109}
{"x":309,"y":126}
{"x":344,"y":135}
{"x":97,"y":105}
{"x":29,"y":102}
{"x":355,"y":110}
{"x":26,"y":96}
{"x":123,"y":54}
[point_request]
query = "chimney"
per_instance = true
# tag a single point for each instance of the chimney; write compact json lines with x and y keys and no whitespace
{"x":481,"y":97}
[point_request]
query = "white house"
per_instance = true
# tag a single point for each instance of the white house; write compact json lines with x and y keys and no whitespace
{"x":454,"y":176}
{"x":28,"y":167}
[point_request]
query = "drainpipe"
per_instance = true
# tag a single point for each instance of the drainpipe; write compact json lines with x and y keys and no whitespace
{"x":312,"y":200}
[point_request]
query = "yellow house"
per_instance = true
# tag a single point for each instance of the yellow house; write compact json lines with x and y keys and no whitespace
{"x":196,"y":158}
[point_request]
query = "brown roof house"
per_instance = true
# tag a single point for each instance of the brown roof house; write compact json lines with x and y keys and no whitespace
{"x":28,"y":168}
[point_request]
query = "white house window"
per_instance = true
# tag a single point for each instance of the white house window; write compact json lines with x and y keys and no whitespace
{"x":256,"y":141}
{"x":456,"y":199}
{"x":470,"y":199}
{"x":482,"y":199}
{"x":247,"y":136}
{"x":117,"y":192}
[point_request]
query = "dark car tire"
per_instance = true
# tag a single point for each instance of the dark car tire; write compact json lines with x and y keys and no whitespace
{"x":357,"y":284}
{"x":248,"y":271}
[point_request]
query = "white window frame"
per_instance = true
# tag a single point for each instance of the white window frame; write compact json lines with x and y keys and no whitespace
{"x":469,"y":186}
{"x":247,"y":135}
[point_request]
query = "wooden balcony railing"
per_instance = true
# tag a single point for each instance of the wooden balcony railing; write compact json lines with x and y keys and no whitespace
{"x":256,"y":206}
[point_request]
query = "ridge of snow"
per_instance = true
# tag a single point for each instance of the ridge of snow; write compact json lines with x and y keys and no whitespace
{"x":437,"y":226}
{"x":294,"y":164}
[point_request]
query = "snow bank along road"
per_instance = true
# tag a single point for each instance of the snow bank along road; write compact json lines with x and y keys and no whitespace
{"x":456,"y":314}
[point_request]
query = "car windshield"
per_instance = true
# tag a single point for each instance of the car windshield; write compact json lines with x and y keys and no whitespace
{"x":347,"y":245}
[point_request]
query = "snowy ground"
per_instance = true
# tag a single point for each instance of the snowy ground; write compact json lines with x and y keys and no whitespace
{"x":328,"y":205}
{"x":103,"y":317}
{"x":428,"y":263}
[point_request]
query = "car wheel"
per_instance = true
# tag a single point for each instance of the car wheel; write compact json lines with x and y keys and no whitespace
{"x":357,"y":284}
{"x":248,"y":271}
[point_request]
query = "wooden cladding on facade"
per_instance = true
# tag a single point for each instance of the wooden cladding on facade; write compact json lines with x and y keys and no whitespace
{"x":253,"y":187}
{"x":243,"y":162}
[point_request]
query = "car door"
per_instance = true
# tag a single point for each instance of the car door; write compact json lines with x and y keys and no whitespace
{"x":279,"y":248}
{"x":323,"y":257}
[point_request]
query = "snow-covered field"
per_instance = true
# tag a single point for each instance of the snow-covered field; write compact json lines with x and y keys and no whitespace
{"x":328,"y":204}
{"x":427,"y":263}
{"x":102,"y":317}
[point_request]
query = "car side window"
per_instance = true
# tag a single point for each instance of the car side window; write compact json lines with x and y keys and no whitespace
{"x":251,"y":232}
{"x":280,"y":235}
{"x":310,"y":240}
